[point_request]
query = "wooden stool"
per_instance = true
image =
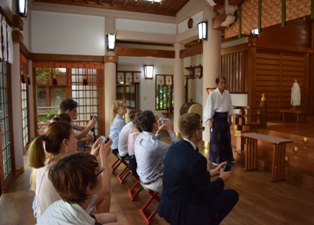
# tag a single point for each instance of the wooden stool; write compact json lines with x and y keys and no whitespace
{"x":125,"y":172}
{"x":154,"y":195}
{"x":118,"y":162}
{"x":137,"y":183}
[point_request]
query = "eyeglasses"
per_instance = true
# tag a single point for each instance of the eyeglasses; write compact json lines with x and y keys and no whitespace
{"x":202,"y":128}
{"x":101,"y":169}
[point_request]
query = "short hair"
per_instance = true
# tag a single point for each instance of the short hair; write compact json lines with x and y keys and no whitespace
{"x":217,"y":80}
{"x":146,"y":120}
{"x":133,"y":114}
{"x":63,"y":117}
{"x":67,"y":104}
{"x":72,"y":174}
{"x":189,"y":123}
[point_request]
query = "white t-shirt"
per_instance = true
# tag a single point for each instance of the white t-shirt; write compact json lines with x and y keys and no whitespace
{"x":123,"y":139}
{"x":63,"y":213}
{"x":45,"y":192}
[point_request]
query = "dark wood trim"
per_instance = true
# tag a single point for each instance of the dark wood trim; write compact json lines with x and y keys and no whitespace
{"x":237,"y":48}
{"x":141,"y":43}
{"x":17,"y":36}
{"x":138,"y":52}
{"x":25,"y":51}
{"x":18,"y":22}
{"x":109,"y":58}
{"x":284,"y":48}
{"x":6,"y":12}
{"x":66,"y":58}
{"x":195,"y":50}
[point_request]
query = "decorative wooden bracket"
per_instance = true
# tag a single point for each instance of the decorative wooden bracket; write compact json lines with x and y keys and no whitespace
{"x":226,"y":10}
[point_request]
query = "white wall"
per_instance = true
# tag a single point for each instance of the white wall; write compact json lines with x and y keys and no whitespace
{"x":58,"y":33}
{"x":147,"y":87}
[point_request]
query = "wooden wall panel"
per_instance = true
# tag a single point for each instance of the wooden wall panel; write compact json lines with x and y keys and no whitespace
{"x":233,"y":67}
{"x":275,"y":75}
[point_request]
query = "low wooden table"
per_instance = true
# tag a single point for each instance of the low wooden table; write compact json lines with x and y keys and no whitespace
{"x":279,"y":153}
{"x":300,"y":114}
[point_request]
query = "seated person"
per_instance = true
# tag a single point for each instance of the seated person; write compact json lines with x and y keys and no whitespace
{"x":150,"y":151}
{"x":132,"y":136}
{"x":45,"y":150}
{"x":69,"y":106}
{"x":189,"y":196}
{"x":76,"y":178}
{"x":118,"y":110}
{"x":124,"y":134}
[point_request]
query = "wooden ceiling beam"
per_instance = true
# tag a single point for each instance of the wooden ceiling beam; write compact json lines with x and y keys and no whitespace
{"x":138,"y":52}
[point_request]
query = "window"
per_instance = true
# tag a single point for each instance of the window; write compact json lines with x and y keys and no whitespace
{"x":79,"y":81}
{"x":6,"y":154}
{"x":127,"y":88}
{"x":24,"y":95}
{"x":164,"y":92}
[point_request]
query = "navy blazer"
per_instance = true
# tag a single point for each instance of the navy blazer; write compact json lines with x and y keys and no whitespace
{"x":187,"y":188}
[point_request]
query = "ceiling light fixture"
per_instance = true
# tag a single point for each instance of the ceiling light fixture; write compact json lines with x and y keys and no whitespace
{"x":255,"y":32}
{"x":157,"y":1}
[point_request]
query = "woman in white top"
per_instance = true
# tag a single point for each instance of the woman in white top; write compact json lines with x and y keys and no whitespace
{"x":77,"y":178}
{"x":46,"y":150}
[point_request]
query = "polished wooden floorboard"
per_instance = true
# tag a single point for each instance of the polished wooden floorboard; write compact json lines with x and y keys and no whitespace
{"x":262,"y":202}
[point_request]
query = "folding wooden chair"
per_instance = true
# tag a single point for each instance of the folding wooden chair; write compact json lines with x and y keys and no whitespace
{"x":153,"y":195}
{"x":125,"y":172}
{"x":118,"y":162}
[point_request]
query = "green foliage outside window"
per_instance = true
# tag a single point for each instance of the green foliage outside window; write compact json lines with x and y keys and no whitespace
{"x":164,"y":94}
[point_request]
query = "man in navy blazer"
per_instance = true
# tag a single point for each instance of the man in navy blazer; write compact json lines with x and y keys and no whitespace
{"x":189,"y":196}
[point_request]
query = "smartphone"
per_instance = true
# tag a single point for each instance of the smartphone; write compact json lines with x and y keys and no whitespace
{"x":103,"y":139}
{"x":227,"y":167}
{"x":164,"y":120}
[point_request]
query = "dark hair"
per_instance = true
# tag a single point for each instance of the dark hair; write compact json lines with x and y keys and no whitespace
{"x":146,"y":120}
{"x":133,"y":114}
{"x":72,"y":174}
{"x":49,"y":142}
{"x":217,"y":80}
{"x":63,"y":117}
{"x":135,"y":122}
{"x":67,"y":104}
{"x":189,"y":123}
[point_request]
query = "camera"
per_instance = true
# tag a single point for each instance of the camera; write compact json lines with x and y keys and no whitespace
{"x":103,"y":139}
{"x":227,"y":167}
{"x":93,"y":116}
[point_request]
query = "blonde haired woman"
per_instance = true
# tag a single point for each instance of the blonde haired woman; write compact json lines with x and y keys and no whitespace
{"x":117,"y":122}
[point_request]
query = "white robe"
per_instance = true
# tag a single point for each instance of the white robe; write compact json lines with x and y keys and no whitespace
{"x":295,"y":94}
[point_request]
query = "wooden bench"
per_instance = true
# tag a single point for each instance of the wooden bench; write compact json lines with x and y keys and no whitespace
{"x":300,"y":114}
{"x":279,"y":153}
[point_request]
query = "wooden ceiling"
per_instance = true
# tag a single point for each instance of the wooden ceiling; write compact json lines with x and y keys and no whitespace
{"x":166,"y":8}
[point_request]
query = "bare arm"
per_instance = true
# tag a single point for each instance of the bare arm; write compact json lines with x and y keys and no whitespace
{"x":86,"y":129}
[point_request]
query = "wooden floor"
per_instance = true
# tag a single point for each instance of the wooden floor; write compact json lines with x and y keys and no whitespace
{"x":261,"y":201}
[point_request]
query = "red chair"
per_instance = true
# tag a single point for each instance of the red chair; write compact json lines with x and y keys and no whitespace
{"x":153,"y":195}
{"x":137,"y":184}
